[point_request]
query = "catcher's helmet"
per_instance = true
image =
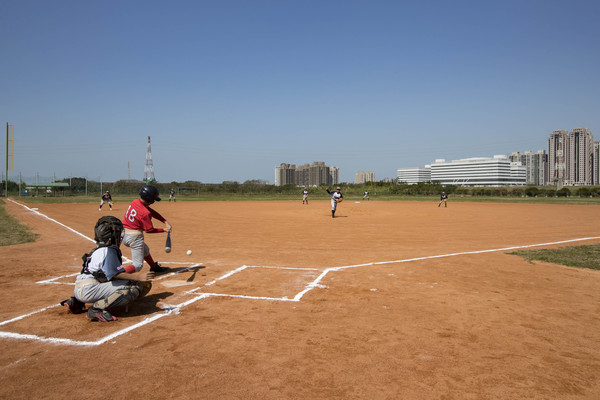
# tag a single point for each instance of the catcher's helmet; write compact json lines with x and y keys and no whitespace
{"x":108,"y":230}
{"x":149,"y":194}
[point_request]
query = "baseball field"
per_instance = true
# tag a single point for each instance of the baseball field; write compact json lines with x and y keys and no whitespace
{"x":390,"y":300}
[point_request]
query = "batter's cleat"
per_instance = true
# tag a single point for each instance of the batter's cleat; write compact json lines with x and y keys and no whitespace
{"x":73,"y":305}
{"x":96,"y":314}
{"x":157,"y":269}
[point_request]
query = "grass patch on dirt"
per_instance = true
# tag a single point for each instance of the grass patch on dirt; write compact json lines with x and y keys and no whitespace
{"x":13,"y":232}
{"x":572,"y":256}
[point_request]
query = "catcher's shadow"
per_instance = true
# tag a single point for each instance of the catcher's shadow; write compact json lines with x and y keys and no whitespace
{"x":144,"y":306}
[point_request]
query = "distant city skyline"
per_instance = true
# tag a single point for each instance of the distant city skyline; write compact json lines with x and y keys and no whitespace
{"x":231,"y":89}
{"x":572,"y":159}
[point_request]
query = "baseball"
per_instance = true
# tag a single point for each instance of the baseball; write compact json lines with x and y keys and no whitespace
{"x":189,"y":252}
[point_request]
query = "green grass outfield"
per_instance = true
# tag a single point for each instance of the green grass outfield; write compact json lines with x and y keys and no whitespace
{"x":320,"y":196}
{"x":587,"y":256}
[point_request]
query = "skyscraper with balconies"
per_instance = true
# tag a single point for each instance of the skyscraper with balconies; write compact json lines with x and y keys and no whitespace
{"x":557,"y":157}
{"x":571,"y":157}
{"x":581,"y":149}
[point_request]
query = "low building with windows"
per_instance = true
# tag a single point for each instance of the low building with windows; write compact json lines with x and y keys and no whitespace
{"x":414,"y":175}
{"x":479,"y":171}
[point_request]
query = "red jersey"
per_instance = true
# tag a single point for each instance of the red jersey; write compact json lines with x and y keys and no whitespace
{"x":139,"y":216}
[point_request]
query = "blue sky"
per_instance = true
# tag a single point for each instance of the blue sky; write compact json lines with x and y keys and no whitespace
{"x":228,"y":90}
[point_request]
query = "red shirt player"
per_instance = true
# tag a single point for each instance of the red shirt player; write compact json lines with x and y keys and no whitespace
{"x":137,"y":221}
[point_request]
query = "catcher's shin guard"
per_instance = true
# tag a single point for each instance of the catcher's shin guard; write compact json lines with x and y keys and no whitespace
{"x":120,"y":297}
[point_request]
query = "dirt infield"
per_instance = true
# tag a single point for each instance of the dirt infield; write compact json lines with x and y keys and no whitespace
{"x":391,"y":300}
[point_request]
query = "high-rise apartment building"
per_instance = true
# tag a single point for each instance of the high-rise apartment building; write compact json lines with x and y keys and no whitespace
{"x":596,"y":164}
{"x":285,"y":174}
{"x":557,"y":156}
{"x":571,"y":157}
{"x":581,"y":148}
{"x":364,"y":176}
{"x":536,"y":166}
{"x":314,"y":174}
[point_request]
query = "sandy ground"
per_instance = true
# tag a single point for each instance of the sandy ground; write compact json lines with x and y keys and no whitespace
{"x":355,"y":307}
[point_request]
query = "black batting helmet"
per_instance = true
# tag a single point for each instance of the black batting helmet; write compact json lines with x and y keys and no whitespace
{"x":149,"y":194}
{"x":108,"y":231}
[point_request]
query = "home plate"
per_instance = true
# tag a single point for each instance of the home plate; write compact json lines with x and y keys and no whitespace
{"x":175,"y":283}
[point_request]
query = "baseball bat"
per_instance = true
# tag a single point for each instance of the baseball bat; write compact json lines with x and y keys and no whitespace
{"x":168,"y":243}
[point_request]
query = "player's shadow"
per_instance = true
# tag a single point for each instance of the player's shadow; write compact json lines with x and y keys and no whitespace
{"x":149,"y":304}
{"x":194,"y":270}
{"x":144,"y":306}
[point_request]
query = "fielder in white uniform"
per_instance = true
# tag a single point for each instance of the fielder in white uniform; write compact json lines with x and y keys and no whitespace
{"x":305,"y":196}
{"x":335,"y":197}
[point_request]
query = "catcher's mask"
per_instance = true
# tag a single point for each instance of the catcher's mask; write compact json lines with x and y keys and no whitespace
{"x":149,"y":194}
{"x":107,"y":231}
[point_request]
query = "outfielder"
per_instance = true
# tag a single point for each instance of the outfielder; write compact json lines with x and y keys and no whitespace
{"x":305,"y":196}
{"x":336,"y":197}
{"x":106,"y":198}
{"x":103,"y":280}
{"x":443,"y":199}
{"x":138,"y":219}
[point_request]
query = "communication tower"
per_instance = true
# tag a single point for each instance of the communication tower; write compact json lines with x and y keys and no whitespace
{"x":149,"y":168}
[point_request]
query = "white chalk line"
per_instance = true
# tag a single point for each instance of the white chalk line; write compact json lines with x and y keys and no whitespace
{"x":170,"y":309}
{"x":35,"y":211}
{"x":312,"y":285}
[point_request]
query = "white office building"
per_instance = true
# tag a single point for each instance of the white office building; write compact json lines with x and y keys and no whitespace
{"x":414,"y":175}
{"x":479,"y":171}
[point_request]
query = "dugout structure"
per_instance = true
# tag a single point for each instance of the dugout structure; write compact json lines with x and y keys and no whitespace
{"x":48,"y":189}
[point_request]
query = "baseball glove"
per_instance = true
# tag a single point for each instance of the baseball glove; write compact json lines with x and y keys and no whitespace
{"x":340,"y":199}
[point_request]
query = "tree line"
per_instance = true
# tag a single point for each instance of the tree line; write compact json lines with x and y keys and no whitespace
{"x":83,"y":186}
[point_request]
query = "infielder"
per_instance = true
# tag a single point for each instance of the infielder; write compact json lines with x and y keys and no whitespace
{"x":103,"y":280}
{"x":305,"y":196}
{"x":106,"y":198}
{"x":443,"y":199}
{"x":366,"y":196}
{"x":336,"y":197}
{"x":172,"y":195}
{"x":138,"y":219}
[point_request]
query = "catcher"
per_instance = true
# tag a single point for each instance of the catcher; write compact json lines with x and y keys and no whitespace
{"x":336,"y":197}
{"x":104,"y":280}
{"x":106,"y":198}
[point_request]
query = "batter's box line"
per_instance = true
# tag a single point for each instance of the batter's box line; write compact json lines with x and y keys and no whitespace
{"x":242,"y":268}
{"x":314,"y":284}
{"x":168,"y":310}
{"x":87,"y":343}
